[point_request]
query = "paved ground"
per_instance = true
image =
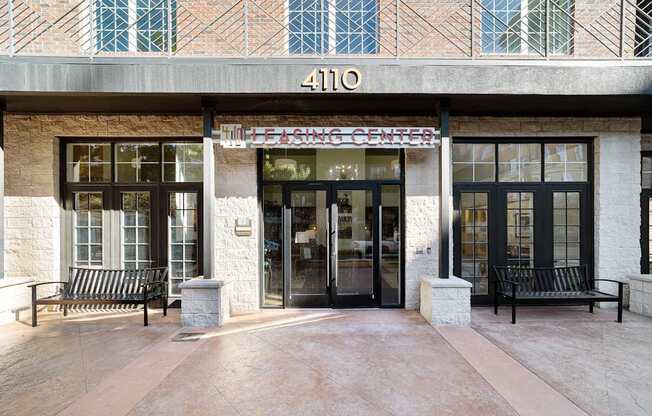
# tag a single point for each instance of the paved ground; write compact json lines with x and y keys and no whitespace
{"x":322,"y":362}
{"x":602,"y":366}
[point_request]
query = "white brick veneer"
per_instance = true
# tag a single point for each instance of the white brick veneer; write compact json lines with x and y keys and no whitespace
{"x":421,"y":220}
{"x":617,"y":207}
{"x":236,"y":257}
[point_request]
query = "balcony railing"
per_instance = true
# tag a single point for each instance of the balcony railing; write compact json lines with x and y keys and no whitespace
{"x":464,"y":29}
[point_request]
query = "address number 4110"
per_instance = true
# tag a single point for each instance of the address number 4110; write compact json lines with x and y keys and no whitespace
{"x":332,"y":79}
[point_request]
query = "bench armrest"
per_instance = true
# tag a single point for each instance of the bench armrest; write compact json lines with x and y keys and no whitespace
{"x":609,"y":280}
{"x":161,"y":282}
{"x":46,"y":283}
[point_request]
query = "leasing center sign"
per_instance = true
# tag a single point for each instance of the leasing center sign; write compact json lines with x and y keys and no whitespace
{"x":234,"y":136}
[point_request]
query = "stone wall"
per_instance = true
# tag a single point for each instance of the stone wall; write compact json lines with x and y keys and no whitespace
{"x":421,"y":220}
{"x":32,"y":196}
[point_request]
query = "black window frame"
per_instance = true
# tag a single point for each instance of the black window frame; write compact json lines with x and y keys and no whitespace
{"x":159,"y":192}
{"x":543,"y":244}
{"x":646,"y":194}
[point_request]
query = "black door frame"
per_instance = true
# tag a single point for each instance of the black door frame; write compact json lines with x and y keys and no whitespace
{"x":543,"y":210}
{"x":331,"y":299}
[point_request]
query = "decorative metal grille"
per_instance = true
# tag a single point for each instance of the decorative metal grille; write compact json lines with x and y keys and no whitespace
{"x":376,"y":28}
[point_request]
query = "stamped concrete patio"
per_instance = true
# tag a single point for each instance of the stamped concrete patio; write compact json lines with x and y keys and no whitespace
{"x":329,"y":362}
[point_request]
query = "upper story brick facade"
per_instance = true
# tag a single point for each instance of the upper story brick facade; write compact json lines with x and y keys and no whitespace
{"x":559,"y":29}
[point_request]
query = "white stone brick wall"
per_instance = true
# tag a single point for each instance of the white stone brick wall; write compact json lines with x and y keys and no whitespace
{"x":421,"y":220}
{"x":237,"y":257}
{"x":617,"y":207}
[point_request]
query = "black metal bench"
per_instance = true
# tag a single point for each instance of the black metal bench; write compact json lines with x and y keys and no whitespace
{"x":547,"y":285}
{"x":107,"y":287}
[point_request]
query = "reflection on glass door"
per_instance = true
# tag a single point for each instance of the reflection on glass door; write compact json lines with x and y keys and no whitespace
{"x":135,"y":222}
{"x":273,"y":245}
{"x":354,"y":266}
{"x":474,"y":222}
{"x":183,"y":246}
{"x":520,"y":229}
{"x":308,"y":248}
{"x":390,"y":244}
{"x":88,"y":212}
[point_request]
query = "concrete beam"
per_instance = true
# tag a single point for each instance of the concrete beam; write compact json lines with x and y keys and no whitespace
{"x":283,"y":76}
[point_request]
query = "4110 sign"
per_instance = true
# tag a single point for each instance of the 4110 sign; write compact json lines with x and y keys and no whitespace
{"x":333,"y":79}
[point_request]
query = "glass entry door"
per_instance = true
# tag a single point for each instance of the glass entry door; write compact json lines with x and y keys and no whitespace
{"x":306,"y":247}
{"x":354,"y":247}
{"x":331,"y":250}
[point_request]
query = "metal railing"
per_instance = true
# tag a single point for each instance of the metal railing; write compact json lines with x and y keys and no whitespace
{"x":456,"y":29}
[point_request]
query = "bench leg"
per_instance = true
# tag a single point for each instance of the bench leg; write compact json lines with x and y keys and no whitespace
{"x":34,"y":320}
{"x":513,"y":311}
{"x":591,"y":307}
{"x":145,"y":311}
{"x":620,"y":302}
{"x":496,"y":304}
{"x":65,"y":310}
{"x":165,"y":306}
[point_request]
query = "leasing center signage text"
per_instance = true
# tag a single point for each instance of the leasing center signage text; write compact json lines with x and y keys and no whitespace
{"x":234,"y":136}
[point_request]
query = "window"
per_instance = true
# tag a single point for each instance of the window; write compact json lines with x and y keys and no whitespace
{"x":88,"y":163}
{"x":354,"y":24}
{"x":135,"y":205}
{"x":329,"y":164}
{"x":138,"y":162}
{"x":566,"y":162}
{"x":112,"y":24}
{"x":520,"y":229}
{"x":643,"y":29}
{"x":519,"y":162}
{"x":183,"y":162}
{"x":135,"y":25}
{"x":88,"y":209}
{"x":566,"y":228}
{"x":474,"y":162}
{"x":308,"y":26}
{"x":519,"y":26}
{"x":474,"y":248}
{"x":184,"y":244}
{"x":646,"y":172}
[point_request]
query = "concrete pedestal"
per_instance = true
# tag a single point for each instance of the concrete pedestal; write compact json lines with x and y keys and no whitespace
{"x":640,"y":294}
{"x":15,"y":297}
{"x":204,"y":303}
{"x":446,"y":301}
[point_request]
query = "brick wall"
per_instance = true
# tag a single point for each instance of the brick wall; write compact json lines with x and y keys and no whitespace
{"x":32,"y":196}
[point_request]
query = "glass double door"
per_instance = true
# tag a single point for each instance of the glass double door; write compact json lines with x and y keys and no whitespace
{"x":521,"y":226}
{"x":332,"y":246}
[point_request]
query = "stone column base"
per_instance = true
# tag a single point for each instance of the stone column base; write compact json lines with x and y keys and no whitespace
{"x":640,"y":294}
{"x":204,"y":303}
{"x":446,"y":301}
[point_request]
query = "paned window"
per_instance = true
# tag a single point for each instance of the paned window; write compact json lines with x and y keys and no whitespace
{"x":566,"y":162}
{"x":88,"y":209}
{"x":566,"y":228}
{"x":183,"y":162}
{"x":308,"y":26}
{"x":88,"y":162}
{"x":520,"y":229}
{"x":112,"y":24}
{"x":135,"y":25}
{"x":646,"y":172}
{"x":519,"y":26}
{"x":356,"y":26}
{"x":184,"y":243}
{"x":474,"y":231}
{"x":135,"y":219}
{"x":519,"y":162}
{"x":474,"y":162}
{"x":138,"y":162}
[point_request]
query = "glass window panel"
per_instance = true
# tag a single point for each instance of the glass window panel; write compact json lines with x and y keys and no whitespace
{"x":519,"y":162}
{"x":88,"y":162}
{"x":473,"y":162}
{"x":566,"y":225}
{"x":87,"y":233}
{"x":382,"y":164}
{"x":646,"y":172}
{"x":183,"y":162}
{"x":463,"y":172}
{"x":463,"y":152}
{"x":137,"y":162}
{"x":474,"y":246}
{"x":183,"y":246}
{"x":566,"y":162}
{"x":134,"y":219}
{"x":390,"y":234}
{"x":520,"y":229}
{"x":484,"y":172}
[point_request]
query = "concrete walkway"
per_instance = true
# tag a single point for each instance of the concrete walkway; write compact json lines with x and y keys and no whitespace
{"x":292,"y":362}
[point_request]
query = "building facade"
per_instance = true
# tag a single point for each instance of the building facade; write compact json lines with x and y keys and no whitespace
{"x":324,"y":153}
